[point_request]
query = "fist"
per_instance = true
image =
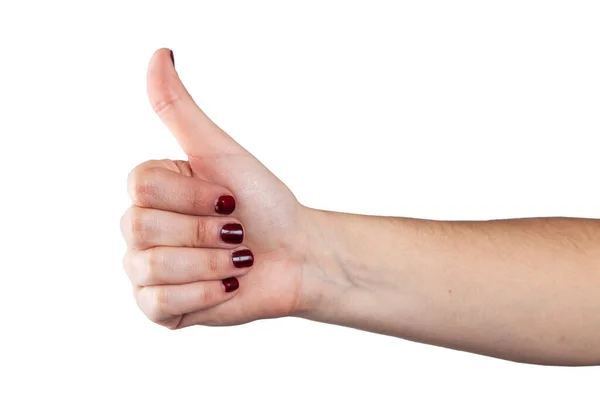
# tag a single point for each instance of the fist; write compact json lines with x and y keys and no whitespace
{"x":216,"y":239}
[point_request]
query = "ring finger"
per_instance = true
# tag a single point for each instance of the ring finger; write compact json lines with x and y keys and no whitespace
{"x":177,"y":265}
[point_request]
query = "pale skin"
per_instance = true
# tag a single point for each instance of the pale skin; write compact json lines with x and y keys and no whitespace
{"x":526,"y":290}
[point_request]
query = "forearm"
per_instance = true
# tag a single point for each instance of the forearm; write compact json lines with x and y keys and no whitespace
{"x":525,"y":290}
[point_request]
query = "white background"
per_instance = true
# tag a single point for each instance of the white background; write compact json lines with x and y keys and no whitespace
{"x":433,"y":109}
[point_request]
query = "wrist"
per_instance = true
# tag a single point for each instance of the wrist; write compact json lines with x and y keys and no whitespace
{"x":356,"y":266}
{"x":322,"y":276}
{"x":337,"y":276}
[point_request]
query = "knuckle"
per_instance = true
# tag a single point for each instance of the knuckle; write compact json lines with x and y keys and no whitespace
{"x":161,"y":298}
{"x":201,"y":232}
{"x":196,"y":199}
{"x":124,"y":224}
{"x":152,"y":267}
{"x":207,"y":296}
{"x":157,"y":304}
{"x":214,"y":262}
{"x":133,"y":226}
{"x":127,"y":264}
{"x":138,"y":226}
{"x":163,"y":104}
{"x":142,"y":185}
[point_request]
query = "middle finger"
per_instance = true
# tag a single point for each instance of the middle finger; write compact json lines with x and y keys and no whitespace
{"x":144,"y":228}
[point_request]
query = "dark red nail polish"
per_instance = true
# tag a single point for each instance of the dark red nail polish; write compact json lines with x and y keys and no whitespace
{"x":242,"y":258}
{"x":225,"y":204}
{"x":232,"y":233}
{"x":231,"y":284}
{"x":172,"y":58}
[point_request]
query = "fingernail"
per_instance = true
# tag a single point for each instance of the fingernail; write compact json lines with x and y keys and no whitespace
{"x":172,"y":58}
{"x":225,"y":204}
{"x":232,"y":233}
{"x":242,"y":258}
{"x":231,"y":284}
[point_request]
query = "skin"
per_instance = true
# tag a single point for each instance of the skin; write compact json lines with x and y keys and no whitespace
{"x":526,"y":290}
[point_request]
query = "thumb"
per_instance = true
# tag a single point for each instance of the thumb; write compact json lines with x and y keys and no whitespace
{"x":196,"y":133}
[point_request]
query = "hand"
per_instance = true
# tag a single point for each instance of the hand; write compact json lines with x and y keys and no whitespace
{"x":177,"y":260}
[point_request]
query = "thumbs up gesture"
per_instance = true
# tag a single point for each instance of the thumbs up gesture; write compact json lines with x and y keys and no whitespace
{"x":216,"y":239}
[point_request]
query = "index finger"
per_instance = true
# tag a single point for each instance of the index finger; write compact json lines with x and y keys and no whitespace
{"x":170,"y":186}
